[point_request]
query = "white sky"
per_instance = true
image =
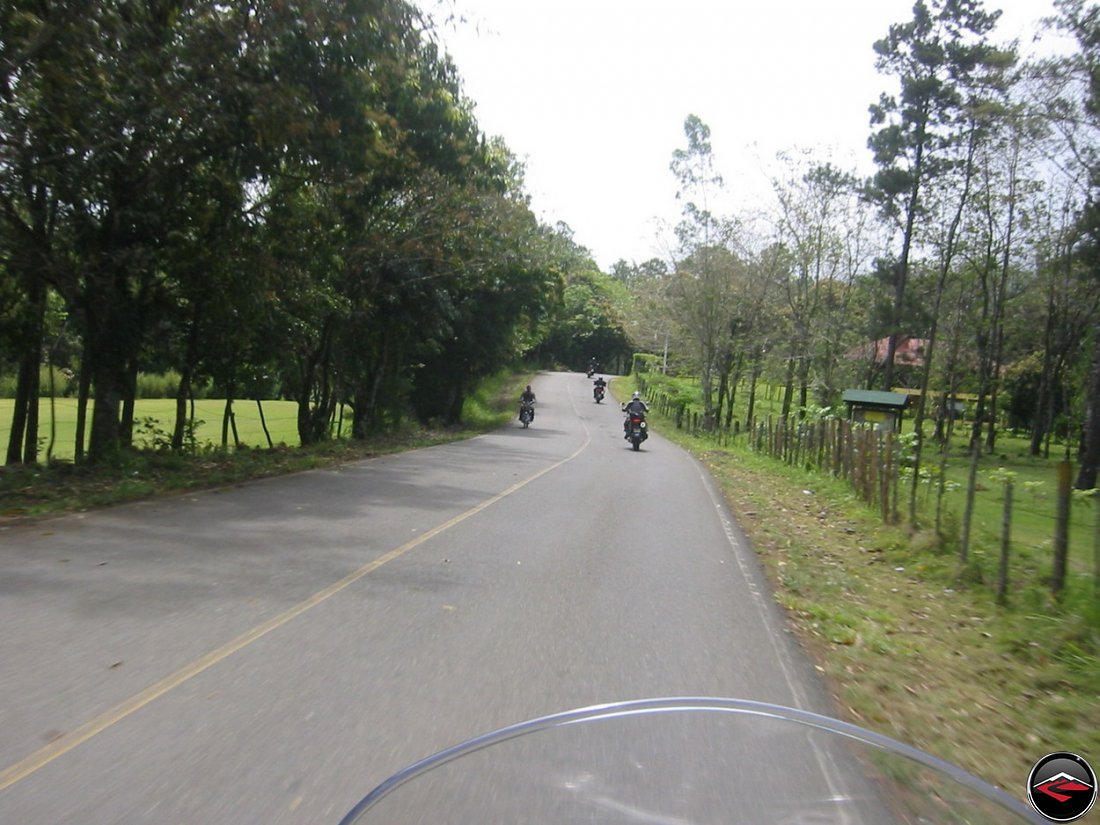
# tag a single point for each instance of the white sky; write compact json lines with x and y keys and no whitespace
{"x":592,"y":95}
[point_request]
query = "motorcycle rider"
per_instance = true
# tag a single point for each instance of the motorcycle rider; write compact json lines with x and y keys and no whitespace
{"x":601,"y":384}
{"x":635,"y":406}
{"x":527,"y":397}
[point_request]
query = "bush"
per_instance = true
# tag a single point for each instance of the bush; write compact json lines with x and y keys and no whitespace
{"x":158,"y":385}
{"x":64,"y":380}
{"x":149,"y":385}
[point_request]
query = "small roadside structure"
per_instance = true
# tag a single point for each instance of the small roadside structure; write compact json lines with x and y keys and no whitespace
{"x":882,"y":409}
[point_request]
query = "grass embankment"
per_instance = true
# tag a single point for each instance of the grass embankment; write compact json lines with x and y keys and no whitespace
{"x":908,"y":649}
{"x":61,"y":486}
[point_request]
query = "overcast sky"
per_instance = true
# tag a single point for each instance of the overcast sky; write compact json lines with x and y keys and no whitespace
{"x":592,"y":95}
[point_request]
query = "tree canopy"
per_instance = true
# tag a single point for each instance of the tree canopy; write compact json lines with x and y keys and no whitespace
{"x":287,"y":197}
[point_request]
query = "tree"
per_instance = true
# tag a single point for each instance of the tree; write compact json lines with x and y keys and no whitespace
{"x":1074,"y":110}
{"x":936,"y":58}
{"x":818,"y":231}
{"x":701,"y":288}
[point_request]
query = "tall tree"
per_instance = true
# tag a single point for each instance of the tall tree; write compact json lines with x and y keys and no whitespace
{"x":816,"y":233}
{"x":935,"y":58}
{"x":702,"y":285}
{"x":1074,"y":109}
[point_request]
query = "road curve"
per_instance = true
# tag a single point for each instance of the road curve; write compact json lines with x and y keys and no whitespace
{"x":268,"y":653}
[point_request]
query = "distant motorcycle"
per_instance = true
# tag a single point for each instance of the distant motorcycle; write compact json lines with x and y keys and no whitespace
{"x":591,"y":371}
{"x":597,"y":392}
{"x":526,"y":413}
{"x":637,"y":431}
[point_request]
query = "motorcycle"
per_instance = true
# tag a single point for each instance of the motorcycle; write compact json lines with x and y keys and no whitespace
{"x":597,"y":392}
{"x":590,"y":372}
{"x":526,"y":414}
{"x":637,"y":431}
{"x":697,"y":761}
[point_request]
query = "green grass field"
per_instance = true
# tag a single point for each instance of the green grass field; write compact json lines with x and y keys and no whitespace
{"x":281,"y":416}
{"x":1034,"y":500}
{"x":62,"y":486}
{"x":490,"y":405}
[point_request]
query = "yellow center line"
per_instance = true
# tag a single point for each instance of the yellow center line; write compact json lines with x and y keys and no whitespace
{"x":61,"y":746}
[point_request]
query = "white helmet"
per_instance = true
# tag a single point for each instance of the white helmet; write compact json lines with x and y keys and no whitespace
{"x":636,"y":395}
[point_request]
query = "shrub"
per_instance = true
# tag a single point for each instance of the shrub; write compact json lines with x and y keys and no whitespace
{"x":158,"y":385}
{"x":64,"y":380}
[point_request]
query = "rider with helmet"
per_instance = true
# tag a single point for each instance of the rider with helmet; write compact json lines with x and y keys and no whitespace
{"x":598,"y":387}
{"x":527,"y":398}
{"x":635,"y":406}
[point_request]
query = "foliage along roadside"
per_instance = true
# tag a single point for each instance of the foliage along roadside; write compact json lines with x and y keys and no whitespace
{"x":27,"y":491}
{"x":278,"y":200}
{"x":906,"y":649}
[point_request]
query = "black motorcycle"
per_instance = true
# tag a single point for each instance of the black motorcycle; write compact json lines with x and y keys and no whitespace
{"x":637,"y":431}
{"x":526,"y":413}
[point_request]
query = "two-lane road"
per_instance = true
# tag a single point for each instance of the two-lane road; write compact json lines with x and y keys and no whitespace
{"x":268,"y":653}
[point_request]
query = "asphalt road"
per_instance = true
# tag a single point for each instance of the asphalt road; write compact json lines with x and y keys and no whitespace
{"x":268,"y":653}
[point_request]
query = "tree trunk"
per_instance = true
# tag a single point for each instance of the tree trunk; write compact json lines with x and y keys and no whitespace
{"x":263,"y":423}
{"x":803,"y":381}
{"x":30,"y":442}
{"x":84,"y":388}
{"x":750,"y":414}
{"x":946,"y":260}
{"x":735,"y":379}
{"x":126,"y":420}
{"x":228,"y":422}
{"x":183,"y":393}
{"x":19,"y":416}
{"x":53,"y":414}
{"x":23,"y":438}
{"x":106,"y":432}
{"x":723,"y":379}
{"x":788,"y":389}
{"x":1043,"y":402}
{"x":113,"y":338}
{"x":34,"y":362}
{"x":1090,"y":454}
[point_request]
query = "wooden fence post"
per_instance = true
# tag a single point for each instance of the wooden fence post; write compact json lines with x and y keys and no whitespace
{"x":838,"y":448}
{"x":1006,"y":541}
{"x":884,"y":448}
{"x":1096,"y":545}
{"x":870,"y":439}
{"x":1061,"y":529}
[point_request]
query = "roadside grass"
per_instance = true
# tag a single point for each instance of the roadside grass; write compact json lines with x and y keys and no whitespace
{"x":908,"y":649}
{"x":495,"y":401}
{"x":1034,"y":501}
{"x":62,"y":486}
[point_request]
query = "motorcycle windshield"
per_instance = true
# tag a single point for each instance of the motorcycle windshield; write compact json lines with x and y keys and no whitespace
{"x":686,"y":762}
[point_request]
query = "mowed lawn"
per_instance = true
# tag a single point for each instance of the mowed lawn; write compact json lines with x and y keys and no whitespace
{"x":281,"y":416}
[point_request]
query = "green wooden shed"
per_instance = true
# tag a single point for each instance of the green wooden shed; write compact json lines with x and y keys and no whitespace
{"x":882,"y":409}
